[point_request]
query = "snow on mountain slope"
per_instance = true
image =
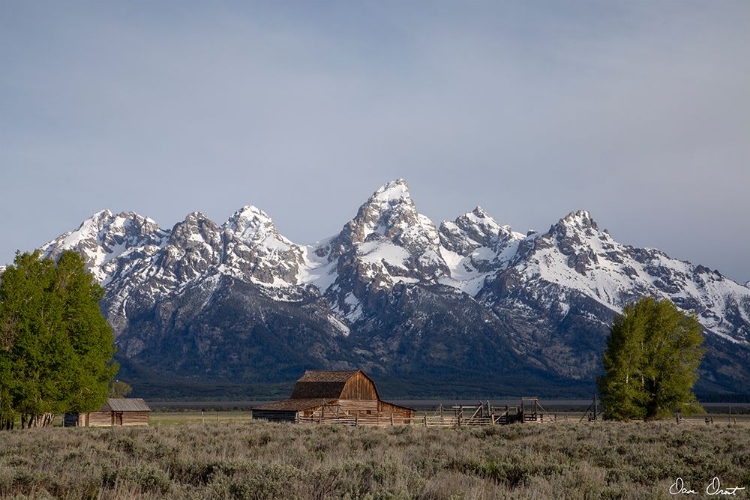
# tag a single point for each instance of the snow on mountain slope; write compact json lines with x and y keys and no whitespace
{"x":576,"y":255}
{"x":105,"y":238}
{"x":389,"y":242}
{"x":254,"y":250}
{"x":474,"y":247}
{"x":386,"y":243}
{"x":394,"y":242}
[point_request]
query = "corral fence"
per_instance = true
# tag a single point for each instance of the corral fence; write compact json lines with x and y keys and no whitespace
{"x":358,"y":420}
{"x":529,"y":410}
{"x":710,"y":419}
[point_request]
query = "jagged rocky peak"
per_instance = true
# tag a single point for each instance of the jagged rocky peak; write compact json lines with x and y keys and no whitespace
{"x":105,"y":235}
{"x":196,"y":229}
{"x":194,"y":247}
{"x":389,"y":215}
{"x":387,"y":242}
{"x":577,"y":238}
{"x":258,"y":252}
{"x":473,"y":230}
{"x":251,"y":224}
{"x":389,"y":211}
{"x":572,"y":231}
{"x":580,"y":220}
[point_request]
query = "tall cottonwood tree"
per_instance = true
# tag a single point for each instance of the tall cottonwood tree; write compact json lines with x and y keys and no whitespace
{"x":56,"y":348}
{"x":651,"y":362}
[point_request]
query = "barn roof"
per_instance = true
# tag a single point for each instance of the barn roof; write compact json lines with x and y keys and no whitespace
{"x":126,"y":404}
{"x":295,"y":404}
{"x":322,"y":384}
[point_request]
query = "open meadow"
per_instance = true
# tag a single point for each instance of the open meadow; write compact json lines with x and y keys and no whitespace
{"x":258,"y":460}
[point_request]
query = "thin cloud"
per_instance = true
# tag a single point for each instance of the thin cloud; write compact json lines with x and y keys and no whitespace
{"x":635,"y":111}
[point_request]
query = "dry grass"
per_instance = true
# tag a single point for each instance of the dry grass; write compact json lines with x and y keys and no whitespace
{"x":257,"y":460}
{"x":197,"y":417}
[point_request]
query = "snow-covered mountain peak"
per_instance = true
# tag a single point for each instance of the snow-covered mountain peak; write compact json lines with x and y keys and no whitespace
{"x":196,"y":228}
{"x":252,"y":224}
{"x":474,"y":246}
{"x":392,"y":192}
{"x":387,"y":242}
{"x":390,"y":213}
{"x":480,"y":213}
{"x":580,"y":220}
{"x":473,"y":230}
{"x":575,"y":234}
{"x":255,"y":251}
{"x":250,"y":213}
{"x":388,"y":275}
{"x":480,"y":218}
{"x":105,"y":236}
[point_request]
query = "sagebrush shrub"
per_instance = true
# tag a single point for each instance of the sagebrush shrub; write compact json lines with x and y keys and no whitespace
{"x":264,"y":460}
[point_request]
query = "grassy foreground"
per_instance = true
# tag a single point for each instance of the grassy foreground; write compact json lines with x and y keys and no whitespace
{"x":257,"y":460}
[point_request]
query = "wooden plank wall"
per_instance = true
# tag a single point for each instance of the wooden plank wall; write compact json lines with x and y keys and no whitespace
{"x":352,"y":406}
{"x":134,"y":418}
{"x":400,"y":414}
{"x":99,"y":419}
{"x":359,"y":387}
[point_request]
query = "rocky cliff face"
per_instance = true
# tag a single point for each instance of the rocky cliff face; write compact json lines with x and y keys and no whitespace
{"x":394,"y":294}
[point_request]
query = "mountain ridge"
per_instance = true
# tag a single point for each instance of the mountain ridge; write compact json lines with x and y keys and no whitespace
{"x":391,"y":292}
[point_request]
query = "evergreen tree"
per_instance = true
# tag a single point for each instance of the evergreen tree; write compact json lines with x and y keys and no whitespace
{"x":56,"y":348}
{"x":651,"y":362}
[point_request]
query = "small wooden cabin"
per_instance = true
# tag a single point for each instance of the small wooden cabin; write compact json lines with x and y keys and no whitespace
{"x":115,"y":412}
{"x":348,"y":397}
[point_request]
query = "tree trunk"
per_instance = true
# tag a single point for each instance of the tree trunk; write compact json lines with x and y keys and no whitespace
{"x":34,"y":421}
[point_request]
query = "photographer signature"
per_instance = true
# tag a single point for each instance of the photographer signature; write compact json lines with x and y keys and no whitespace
{"x":713,"y":488}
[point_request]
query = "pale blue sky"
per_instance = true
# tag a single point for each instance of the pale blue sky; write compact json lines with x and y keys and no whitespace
{"x":638,"y":111}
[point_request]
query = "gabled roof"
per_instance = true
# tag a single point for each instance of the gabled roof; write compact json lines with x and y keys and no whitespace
{"x":322,"y":384}
{"x":125,"y":404}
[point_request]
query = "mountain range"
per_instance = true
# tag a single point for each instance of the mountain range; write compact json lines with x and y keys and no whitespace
{"x":468,"y":307}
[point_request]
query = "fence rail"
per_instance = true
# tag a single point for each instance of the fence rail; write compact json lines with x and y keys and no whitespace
{"x":456,"y":416}
{"x":358,"y":420}
{"x":742,"y":418}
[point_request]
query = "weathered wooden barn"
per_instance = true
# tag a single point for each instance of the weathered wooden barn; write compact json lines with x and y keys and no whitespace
{"x":115,"y":412}
{"x":347,"y":397}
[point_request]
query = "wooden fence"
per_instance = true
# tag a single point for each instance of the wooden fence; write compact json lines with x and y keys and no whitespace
{"x":456,"y":416}
{"x":732,"y":419}
{"x":378,"y":420}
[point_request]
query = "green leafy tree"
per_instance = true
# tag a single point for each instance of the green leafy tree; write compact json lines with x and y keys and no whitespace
{"x":651,"y":362}
{"x":119,"y":389}
{"x":56,"y":348}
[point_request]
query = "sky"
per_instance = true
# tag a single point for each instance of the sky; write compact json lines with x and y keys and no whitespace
{"x":635,"y":110}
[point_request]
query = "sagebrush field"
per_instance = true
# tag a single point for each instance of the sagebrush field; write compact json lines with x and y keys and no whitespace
{"x":257,"y":460}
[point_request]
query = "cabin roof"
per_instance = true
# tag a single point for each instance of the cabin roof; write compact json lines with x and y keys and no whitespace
{"x":322,"y":384}
{"x":126,"y":404}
